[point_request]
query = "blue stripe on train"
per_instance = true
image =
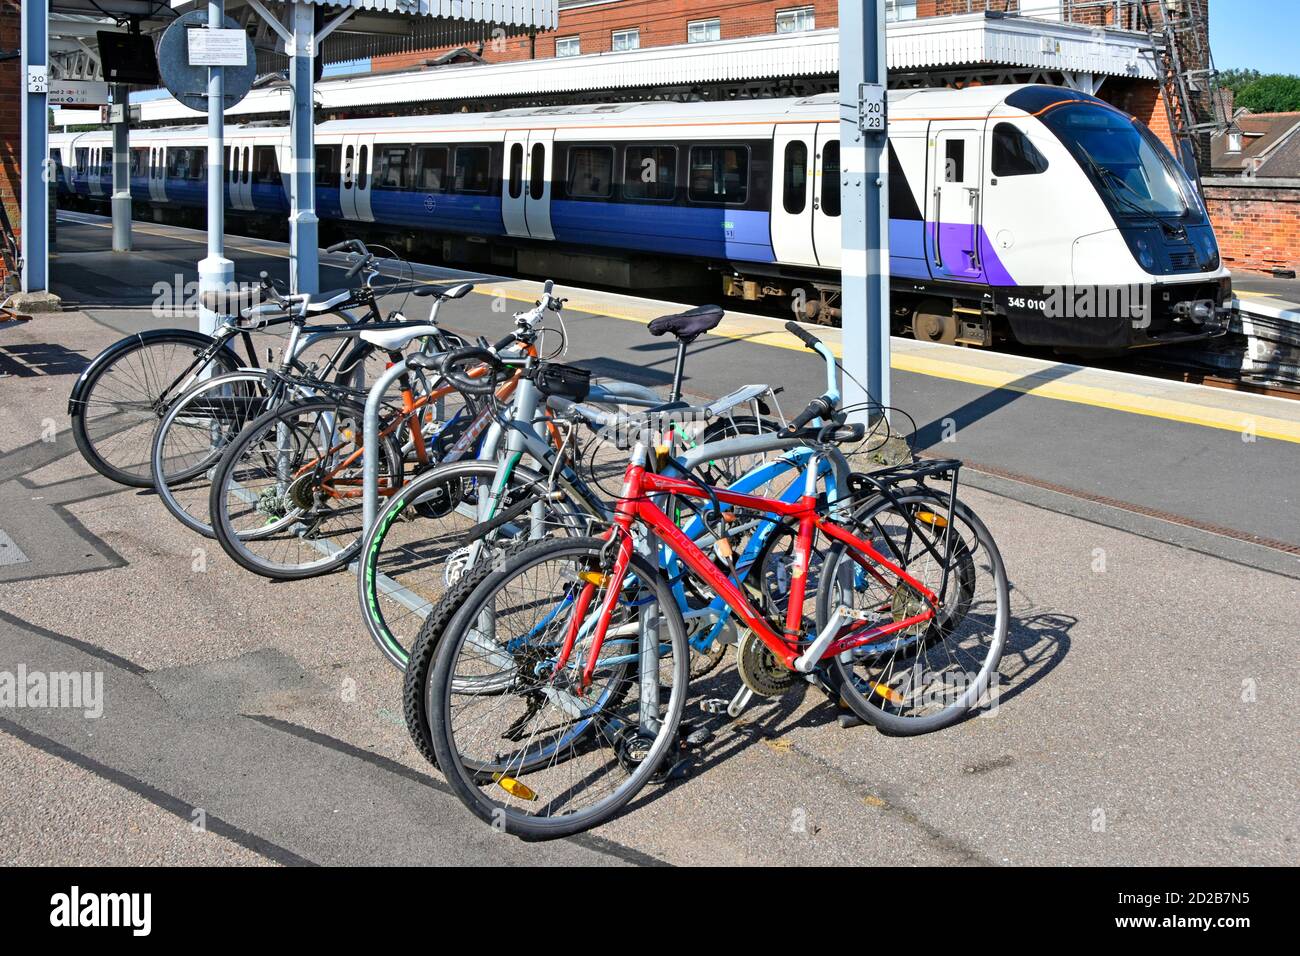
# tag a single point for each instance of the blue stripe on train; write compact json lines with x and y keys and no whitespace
{"x":720,"y":233}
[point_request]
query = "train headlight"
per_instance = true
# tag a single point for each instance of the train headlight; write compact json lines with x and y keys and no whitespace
{"x":1207,"y":249}
{"x":1146,"y":253}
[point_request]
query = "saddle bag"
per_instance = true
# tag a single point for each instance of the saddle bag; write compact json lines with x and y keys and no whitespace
{"x":566,"y":381}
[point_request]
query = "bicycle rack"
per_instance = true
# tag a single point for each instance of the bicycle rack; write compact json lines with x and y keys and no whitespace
{"x":370,"y":441}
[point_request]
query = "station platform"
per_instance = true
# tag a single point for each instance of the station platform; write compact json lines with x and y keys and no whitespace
{"x":1150,"y":530}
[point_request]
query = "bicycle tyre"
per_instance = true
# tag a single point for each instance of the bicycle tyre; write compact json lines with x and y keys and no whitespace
{"x":465,"y":780}
{"x":163,"y":346}
{"x":237,"y":543}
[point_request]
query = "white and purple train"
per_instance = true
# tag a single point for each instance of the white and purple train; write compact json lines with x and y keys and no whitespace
{"x":1005,"y":202}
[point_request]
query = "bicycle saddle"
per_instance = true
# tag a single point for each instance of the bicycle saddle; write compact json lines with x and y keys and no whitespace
{"x":688,"y":325}
{"x":445,"y":291}
{"x":232,"y":302}
{"x":395,"y":339}
{"x":324,"y":301}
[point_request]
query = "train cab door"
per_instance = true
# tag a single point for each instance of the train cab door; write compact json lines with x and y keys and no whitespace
{"x":514,"y":184}
{"x":794,"y":150}
{"x":826,"y":196}
{"x":956,"y":207}
{"x":537,"y":183}
{"x":355,"y":176}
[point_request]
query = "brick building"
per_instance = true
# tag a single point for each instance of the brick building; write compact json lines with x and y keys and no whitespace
{"x":10,"y":115}
{"x":603,"y":26}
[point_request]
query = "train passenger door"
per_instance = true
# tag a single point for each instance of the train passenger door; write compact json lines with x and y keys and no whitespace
{"x":794,"y":150}
{"x":95,"y":172}
{"x":354,"y":178}
{"x":955,"y":215}
{"x":157,"y":174}
{"x":826,"y":196}
{"x":514,"y":184}
{"x":537,"y":183}
{"x":240,"y":176}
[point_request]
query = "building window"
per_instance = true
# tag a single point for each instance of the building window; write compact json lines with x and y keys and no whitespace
{"x":624,"y":40}
{"x":650,"y":172}
{"x":900,"y":10}
{"x":798,"y":20}
{"x":568,"y":46}
{"x":702,"y":31}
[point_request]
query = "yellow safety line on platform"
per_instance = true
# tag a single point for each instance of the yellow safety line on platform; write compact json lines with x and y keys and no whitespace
{"x":1149,"y":406}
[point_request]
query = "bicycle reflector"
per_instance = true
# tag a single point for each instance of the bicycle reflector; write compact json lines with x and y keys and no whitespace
{"x":594,"y":577}
{"x":891,"y":695}
{"x":930,"y":518}
{"x":516,"y":788}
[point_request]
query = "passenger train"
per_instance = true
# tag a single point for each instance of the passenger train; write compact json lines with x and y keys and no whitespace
{"x":1005,"y":202}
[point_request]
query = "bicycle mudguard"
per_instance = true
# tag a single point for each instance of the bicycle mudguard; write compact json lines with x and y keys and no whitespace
{"x":76,"y":399}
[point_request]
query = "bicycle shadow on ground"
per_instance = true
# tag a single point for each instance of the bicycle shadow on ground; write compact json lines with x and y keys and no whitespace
{"x":1038,"y":640}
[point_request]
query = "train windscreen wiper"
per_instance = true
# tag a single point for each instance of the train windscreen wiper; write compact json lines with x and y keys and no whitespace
{"x":1105,"y":172}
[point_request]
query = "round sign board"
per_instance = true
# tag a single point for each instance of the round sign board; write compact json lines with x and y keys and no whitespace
{"x":189,"y":84}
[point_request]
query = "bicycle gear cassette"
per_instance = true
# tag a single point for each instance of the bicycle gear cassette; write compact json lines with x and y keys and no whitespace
{"x":759,"y":669}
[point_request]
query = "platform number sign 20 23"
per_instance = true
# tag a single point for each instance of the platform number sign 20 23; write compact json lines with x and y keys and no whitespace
{"x":872,"y":114}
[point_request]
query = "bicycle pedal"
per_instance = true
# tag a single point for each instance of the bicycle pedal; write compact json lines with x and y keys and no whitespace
{"x":699,"y":737}
{"x":849,"y":721}
{"x":677,"y":770}
{"x":714,"y":705}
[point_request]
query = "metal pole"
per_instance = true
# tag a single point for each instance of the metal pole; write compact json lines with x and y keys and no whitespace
{"x":216,"y":272}
{"x":34,"y":193}
{"x":304,"y":269}
{"x":122,"y":172}
{"x":865,"y":202}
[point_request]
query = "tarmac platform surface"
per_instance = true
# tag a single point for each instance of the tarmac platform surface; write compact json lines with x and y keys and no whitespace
{"x":1150,"y":530}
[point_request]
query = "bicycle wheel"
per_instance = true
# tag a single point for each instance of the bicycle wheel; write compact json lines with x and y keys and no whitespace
{"x":427,"y":535}
{"x":193,"y":435}
{"x":927,"y":676}
{"x":524,"y":744}
{"x":285,"y":500}
{"x":118,"y":406}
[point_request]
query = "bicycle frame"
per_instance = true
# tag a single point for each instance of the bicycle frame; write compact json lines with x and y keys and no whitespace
{"x":636,"y":505}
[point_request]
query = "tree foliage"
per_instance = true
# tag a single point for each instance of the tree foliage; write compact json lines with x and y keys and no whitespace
{"x":1273,"y":93}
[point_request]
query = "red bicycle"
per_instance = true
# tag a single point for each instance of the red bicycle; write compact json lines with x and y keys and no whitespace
{"x":558,"y":687}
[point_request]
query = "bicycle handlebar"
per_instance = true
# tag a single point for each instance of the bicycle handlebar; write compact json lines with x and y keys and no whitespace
{"x":825,"y":404}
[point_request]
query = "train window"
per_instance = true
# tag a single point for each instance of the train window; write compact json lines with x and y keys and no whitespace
{"x":392,"y":167}
{"x":954,"y":166}
{"x":1014,"y":154}
{"x":363,"y":166}
{"x":266,"y":168}
{"x":81,"y":154}
{"x":590,"y":170}
{"x":537,"y":181}
{"x":139,"y":162}
{"x":516,"y":170}
{"x":796,"y":177}
{"x":831,"y":178}
{"x":327,"y":167}
{"x":719,"y":174}
{"x":347,"y":168}
{"x":234,"y":165}
{"x":432,"y":175}
{"x":650,"y":172}
{"x":473,"y":169}
{"x":245,"y":170}
{"x":178,"y":160}
{"x":198,"y":168}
